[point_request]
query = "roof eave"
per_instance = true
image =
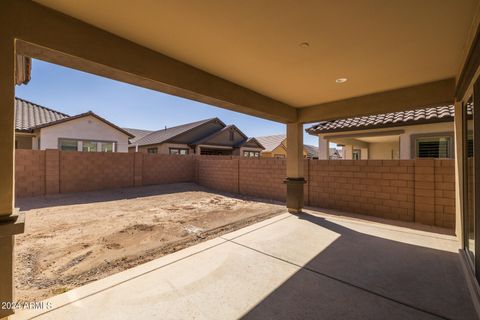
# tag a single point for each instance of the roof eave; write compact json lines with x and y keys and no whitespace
{"x":315,"y":132}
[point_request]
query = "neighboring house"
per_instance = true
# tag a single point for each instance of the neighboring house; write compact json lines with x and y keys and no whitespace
{"x":205,"y":137}
{"x":421,"y":133}
{"x":40,"y":128}
{"x":276,"y":147}
{"x":334,"y":154}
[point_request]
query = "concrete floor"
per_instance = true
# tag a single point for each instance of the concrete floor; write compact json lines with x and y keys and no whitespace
{"x":311,"y":266}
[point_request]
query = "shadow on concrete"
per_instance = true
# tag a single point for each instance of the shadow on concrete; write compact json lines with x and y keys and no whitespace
{"x":66,"y":199}
{"x":397,"y":223}
{"x":361,"y":276}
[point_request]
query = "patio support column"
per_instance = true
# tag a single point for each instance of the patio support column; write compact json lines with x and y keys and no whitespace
{"x":459,"y":158}
{"x":295,"y":174}
{"x":9,"y":222}
{"x":323,"y":148}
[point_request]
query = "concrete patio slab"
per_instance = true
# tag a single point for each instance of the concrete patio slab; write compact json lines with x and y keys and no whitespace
{"x":311,"y":266}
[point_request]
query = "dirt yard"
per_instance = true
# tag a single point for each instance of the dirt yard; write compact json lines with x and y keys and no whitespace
{"x":74,"y":239}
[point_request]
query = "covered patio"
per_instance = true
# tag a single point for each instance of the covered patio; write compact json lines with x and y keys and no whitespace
{"x":315,"y":265}
{"x":293,"y":64}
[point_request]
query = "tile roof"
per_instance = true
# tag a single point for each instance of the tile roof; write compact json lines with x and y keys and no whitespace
{"x":81,"y":115}
{"x":312,"y":151}
{"x":252,"y":139}
{"x":392,"y":119}
{"x":29,"y":115}
{"x":137,"y":133}
{"x":216,"y":133}
{"x":163,"y":135}
{"x":271,"y":142}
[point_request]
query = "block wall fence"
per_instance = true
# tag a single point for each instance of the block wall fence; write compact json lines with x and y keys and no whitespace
{"x":410,"y":190}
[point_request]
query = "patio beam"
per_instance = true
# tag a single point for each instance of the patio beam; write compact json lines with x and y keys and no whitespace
{"x":409,"y":98}
{"x":58,"y":38}
{"x":350,"y":141}
{"x":295,"y":171}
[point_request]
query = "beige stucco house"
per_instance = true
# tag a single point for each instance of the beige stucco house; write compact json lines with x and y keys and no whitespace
{"x":205,"y":137}
{"x":276,"y":147}
{"x":421,"y":133}
{"x":40,"y":128}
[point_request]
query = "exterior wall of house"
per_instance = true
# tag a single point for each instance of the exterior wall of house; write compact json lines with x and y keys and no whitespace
{"x":392,"y":150}
{"x":162,"y":148}
{"x":383,"y":151}
{"x":85,"y":128}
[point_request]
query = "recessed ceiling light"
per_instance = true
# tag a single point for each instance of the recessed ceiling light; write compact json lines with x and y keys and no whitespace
{"x":304,"y":44}
{"x":341,"y":80}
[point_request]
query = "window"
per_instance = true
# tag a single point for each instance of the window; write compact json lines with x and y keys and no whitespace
{"x":279,"y":156}
{"x":89,"y":146}
{"x":67,"y":145}
{"x":107,"y":147}
{"x":434,"y":147}
{"x":152,"y":150}
{"x":181,"y":151}
{"x":356,"y":154}
{"x":255,"y":154}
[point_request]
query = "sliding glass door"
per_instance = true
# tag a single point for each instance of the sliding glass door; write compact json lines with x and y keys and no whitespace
{"x":469,"y":178}
{"x":471,"y":213}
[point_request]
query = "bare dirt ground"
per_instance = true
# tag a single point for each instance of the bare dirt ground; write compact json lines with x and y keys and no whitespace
{"x":74,"y":239}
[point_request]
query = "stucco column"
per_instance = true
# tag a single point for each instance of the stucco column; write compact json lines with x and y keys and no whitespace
{"x":9,"y":222}
{"x":295,"y":172}
{"x":323,"y":148}
{"x":405,"y":146}
{"x":459,"y":158}
{"x":348,"y":152}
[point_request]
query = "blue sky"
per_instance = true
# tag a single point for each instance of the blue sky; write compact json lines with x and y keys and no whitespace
{"x":72,"y":92}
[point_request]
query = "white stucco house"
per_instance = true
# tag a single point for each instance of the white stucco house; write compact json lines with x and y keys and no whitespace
{"x":40,"y":128}
{"x":421,"y":133}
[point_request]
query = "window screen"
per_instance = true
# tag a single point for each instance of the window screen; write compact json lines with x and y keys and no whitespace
{"x":89,"y":146}
{"x":67,"y":145}
{"x":179,"y":151}
{"x":433,"y":147}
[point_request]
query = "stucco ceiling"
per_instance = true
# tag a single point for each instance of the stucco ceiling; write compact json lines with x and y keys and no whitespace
{"x":377,"y":45}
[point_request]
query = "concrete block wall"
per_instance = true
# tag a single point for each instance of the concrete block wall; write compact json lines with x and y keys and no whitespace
{"x":445,"y":193}
{"x":29,"y":173}
{"x":88,"y":171}
{"x":219,"y":174}
{"x":162,"y":169}
{"x":263,"y":178}
{"x":379,"y":188}
{"x":410,"y":190}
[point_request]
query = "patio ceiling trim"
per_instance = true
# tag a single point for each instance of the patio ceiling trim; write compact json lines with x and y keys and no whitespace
{"x":409,"y":98}
{"x":365,"y":134}
{"x":49,"y":35}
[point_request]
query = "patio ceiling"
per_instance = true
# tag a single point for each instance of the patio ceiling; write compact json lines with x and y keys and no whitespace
{"x":248,"y":56}
{"x":377,"y":45}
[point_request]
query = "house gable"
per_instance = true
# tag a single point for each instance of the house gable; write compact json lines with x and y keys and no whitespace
{"x":204,"y":130}
{"x":252,"y":143}
{"x":82,"y":128}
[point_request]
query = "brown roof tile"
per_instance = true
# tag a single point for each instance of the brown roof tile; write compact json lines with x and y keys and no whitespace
{"x":393,"y":119}
{"x":29,"y":115}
